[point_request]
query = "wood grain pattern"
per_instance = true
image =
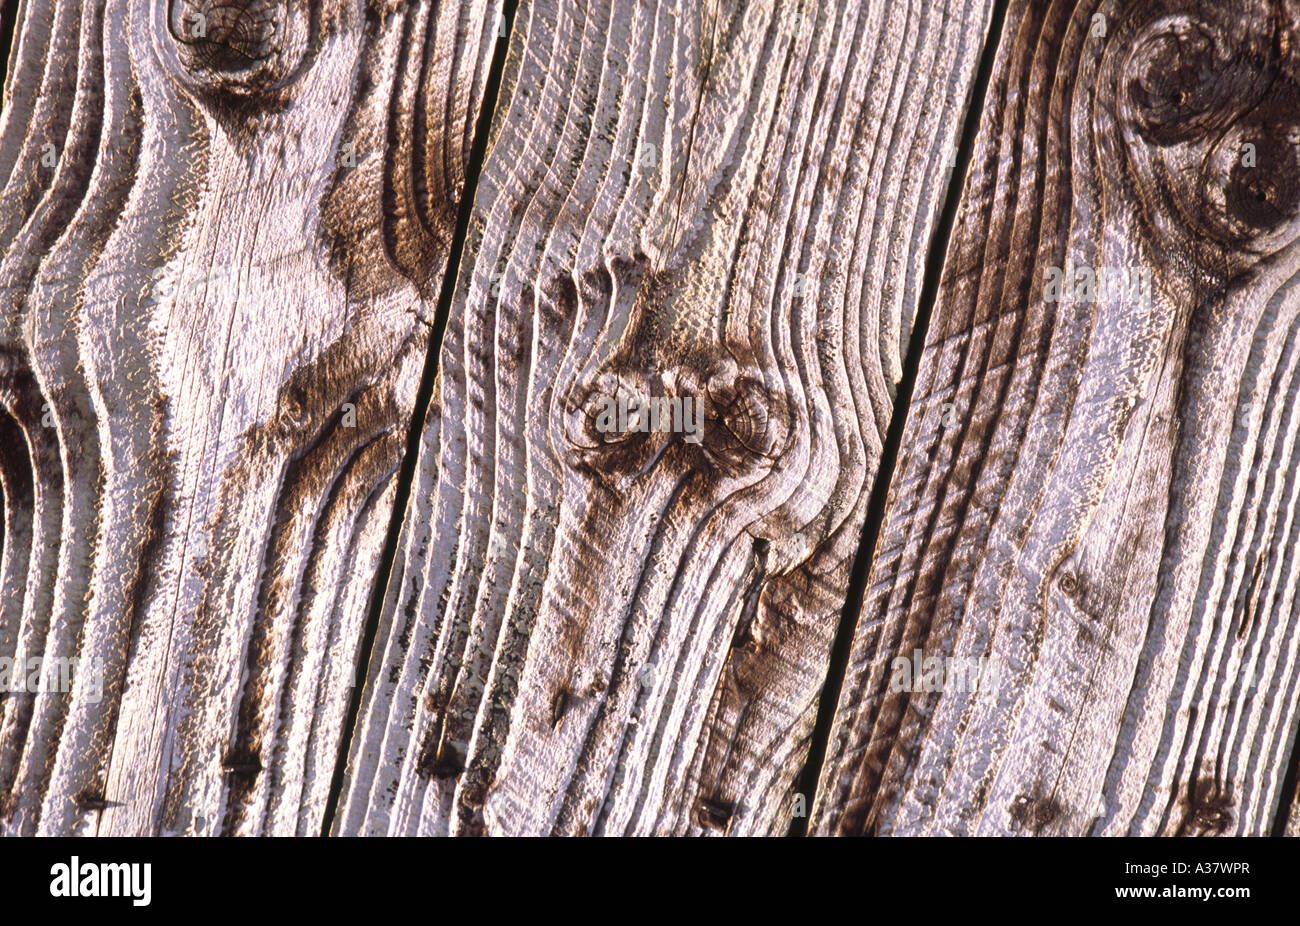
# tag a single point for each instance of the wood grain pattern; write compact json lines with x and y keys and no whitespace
{"x":1110,"y":512}
{"x":224,"y":237}
{"x":596,"y":632}
{"x":221,"y":228}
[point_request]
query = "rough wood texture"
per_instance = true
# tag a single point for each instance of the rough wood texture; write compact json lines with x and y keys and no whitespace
{"x":1110,"y":510}
{"x":221,"y":226}
{"x":595,"y":632}
{"x":224,"y":230}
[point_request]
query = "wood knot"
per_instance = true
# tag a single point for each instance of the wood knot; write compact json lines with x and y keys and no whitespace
{"x":746,"y":424}
{"x":1214,"y":96}
{"x":243,"y":48}
{"x":1187,"y":77}
{"x":1250,"y":183}
{"x":615,"y":411}
{"x":725,"y":420}
{"x":620,"y":421}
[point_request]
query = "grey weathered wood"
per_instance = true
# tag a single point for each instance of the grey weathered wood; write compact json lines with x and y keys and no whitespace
{"x":1109,"y":510}
{"x":212,"y":326}
{"x":596,"y":633}
{"x":221,"y":246}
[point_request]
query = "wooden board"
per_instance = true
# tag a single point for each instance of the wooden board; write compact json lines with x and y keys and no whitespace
{"x":233,"y":487}
{"x":1100,"y":495}
{"x":596,"y":630}
{"x":224,"y":227}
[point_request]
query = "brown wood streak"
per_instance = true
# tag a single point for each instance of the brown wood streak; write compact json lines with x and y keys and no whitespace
{"x":1110,"y":514}
{"x":595,"y":632}
{"x":212,"y":332}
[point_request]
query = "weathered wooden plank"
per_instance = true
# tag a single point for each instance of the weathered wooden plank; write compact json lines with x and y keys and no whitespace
{"x":597,"y":629}
{"x":222,"y":231}
{"x":1098,"y":495}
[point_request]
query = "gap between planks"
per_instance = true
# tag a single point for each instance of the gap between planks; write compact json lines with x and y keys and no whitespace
{"x":406,"y":475}
{"x":936,"y":257}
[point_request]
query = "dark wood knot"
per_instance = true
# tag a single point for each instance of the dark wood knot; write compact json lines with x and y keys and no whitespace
{"x":1187,"y":77}
{"x":746,"y":423}
{"x":613,"y":410}
{"x":240,"y":47}
{"x":1213,"y":94}
{"x":619,"y":422}
{"x":1250,"y":181}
